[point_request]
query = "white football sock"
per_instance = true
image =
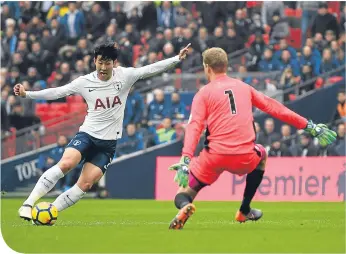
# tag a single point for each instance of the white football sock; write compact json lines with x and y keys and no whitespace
{"x":46,"y":182}
{"x":68,"y":198}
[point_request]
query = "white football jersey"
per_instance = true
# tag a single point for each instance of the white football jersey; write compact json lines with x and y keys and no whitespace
{"x":106,"y":99}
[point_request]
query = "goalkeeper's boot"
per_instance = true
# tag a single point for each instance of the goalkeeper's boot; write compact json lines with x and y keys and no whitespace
{"x":253,"y":215}
{"x":25,"y":212}
{"x":183,"y":215}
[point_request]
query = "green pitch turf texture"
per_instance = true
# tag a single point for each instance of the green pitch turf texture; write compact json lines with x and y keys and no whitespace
{"x":142,"y":226}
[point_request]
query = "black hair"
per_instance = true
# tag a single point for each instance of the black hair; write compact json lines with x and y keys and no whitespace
{"x":107,"y":51}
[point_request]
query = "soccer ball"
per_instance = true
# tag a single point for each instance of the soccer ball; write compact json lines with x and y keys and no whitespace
{"x":44,"y":214}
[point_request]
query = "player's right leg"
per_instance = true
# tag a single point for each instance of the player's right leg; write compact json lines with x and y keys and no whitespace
{"x":253,"y":180}
{"x":183,"y":201}
{"x":201,"y":166}
{"x":71,"y":157}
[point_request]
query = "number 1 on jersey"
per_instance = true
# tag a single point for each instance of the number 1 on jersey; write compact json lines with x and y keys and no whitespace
{"x":231,"y":101}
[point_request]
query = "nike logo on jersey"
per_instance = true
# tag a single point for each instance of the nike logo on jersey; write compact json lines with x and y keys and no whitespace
{"x":90,"y":90}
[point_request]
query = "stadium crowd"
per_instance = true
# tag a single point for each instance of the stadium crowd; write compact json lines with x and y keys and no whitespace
{"x":48,"y":44}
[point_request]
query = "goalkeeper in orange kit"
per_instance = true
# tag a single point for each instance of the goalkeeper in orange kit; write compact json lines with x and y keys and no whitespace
{"x":224,"y":108}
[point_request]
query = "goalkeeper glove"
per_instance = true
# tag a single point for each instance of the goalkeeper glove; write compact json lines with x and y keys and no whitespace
{"x":321,"y":132}
{"x":182,"y":174}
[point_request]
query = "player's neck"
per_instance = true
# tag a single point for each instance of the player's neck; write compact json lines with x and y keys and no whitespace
{"x":215,"y":76}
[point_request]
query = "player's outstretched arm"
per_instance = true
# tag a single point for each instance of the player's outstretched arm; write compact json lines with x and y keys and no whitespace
{"x":161,"y":66}
{"x":47,"y":94}
{"x":279,"y":111}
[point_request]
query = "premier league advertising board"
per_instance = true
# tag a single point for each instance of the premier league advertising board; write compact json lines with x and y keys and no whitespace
{"x":285,"y":179}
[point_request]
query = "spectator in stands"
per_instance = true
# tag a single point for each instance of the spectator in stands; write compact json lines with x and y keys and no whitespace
{"x":178,"y":40}
{"x":119,"y":16}
{"x":324,"y":21}
{"x":74,"y":23}
{"x":328,"y":63}
{"x":287,"y":137}
{"x":158,"y":42}
{"x":320,"y":42}
{"x":244,"y":76}
{"x":255,"y":52}
{"x":284,"y":46}
{"x":256,"y":25}
{"x":286,"y":61}
{"x":45,"y":161}
{"x":35,"y":26}
{"x":307,"y":58}
{"x":131,"y":34}
{"x":242,"y":24}
{"x":268,"y":132}
{"x":168,"y":35}
{"x":134,"y":18}
{"x":10,"y":40}
{"x":166,"y":133}
{"x":33,"y":75}
{"x":18,"y":120}
{"x":306,"y":77}
{"x":158,"y":109}
{"x":340,"y":112}
{"x":40,"y":59}
{"x":235,"y":42}
{"x":125,"y":50}
{"x":180,"y":17}
{"x":135,"y":100}
{"x":132,"y":141}
{"x":165,"y":15}
{"x":268,"y":62}
{"x":149,"y":17}
{"x":334,"y":46}
{"x":189,"y":38}
{"x":59,"y":34}
{"x":268,"y":9}
{"x":315,"y":52}
{"x":192,"y":61}
{"x":22,"y":48}
{"x":203,"y":38}
{"x":57,"y":11}
{"x":210,"y":14}
{"x":84,"y":48}
{"x":279,"y":28}
{"x":277,"y":149}
{"x":178,"y":108}
{"x":329,"y":38}
{"x":259,"y":133}
{"x":305,"y":147}
{"x":219,"y":40}
{"x":111,"y":35}
{"x":168,"y":51}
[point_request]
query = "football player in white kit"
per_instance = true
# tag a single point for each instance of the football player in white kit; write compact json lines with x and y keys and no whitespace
{"x":105,"y":91}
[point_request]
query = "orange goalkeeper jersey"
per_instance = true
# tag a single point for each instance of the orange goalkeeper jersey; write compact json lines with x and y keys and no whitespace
{"x":224,"y":107}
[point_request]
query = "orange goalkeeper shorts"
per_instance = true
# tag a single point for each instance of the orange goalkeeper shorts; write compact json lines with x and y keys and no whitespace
{"x":208,"y":167}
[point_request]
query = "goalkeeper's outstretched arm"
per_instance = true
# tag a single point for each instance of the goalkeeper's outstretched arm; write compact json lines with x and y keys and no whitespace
{"x":279,"y":111}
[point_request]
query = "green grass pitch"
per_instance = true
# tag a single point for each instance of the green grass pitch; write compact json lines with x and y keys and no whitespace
{"x":142,"y":226}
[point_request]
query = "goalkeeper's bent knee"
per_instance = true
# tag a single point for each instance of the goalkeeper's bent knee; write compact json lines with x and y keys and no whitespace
{"x":182,"y":199}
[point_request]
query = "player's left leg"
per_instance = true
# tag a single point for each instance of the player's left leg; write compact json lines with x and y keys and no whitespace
{"x":90,"y":175}
{"x":253,"y":180}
